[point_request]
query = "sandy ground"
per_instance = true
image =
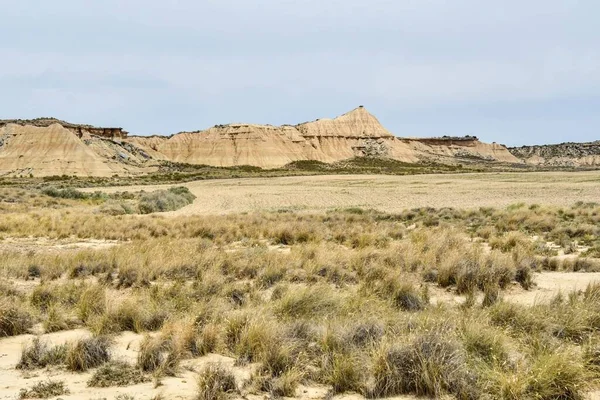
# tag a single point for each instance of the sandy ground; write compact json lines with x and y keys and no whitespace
{"x":183,"y":386}
{"x":25,"y":245}
{"x":386,"y":193}
{"x":126,"y":347}
{"x":548,"y":285}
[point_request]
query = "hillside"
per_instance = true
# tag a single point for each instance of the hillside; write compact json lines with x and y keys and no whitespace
{"x":560,"y":155}
{"x":55,"y":150}
{"x":48,"y":146}
{"x":354,"y":134}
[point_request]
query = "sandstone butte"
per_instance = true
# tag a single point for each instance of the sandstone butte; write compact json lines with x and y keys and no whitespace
{"x":47,"y":146}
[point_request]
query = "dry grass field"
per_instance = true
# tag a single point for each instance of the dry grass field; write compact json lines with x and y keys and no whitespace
{"x":388,"y":193}
{"x":334,"y":287}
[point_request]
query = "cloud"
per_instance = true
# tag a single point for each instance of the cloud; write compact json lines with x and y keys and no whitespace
{"x":169,"y":65}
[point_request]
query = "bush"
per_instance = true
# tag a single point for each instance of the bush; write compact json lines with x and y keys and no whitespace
{"x":429,"y":366}
{"x":215,"y":383}
{"x":166,"y":200}
{"x":14,"y":320}
{"x":116,"y":373}
{"x":88,"y":353}
{"x":71,"y":193}
{"x":43,"y":390}
{"x":158,"y":355}
{"x":39,"y":355}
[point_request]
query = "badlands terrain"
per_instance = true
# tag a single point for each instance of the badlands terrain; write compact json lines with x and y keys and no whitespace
{"x":50,"y":147}
{"x":324,"y":260}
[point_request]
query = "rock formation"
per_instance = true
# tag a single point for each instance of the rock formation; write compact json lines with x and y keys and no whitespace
{"x":357,"y":133}
{"x":56,"y":150}
{"x":560,"y":155}
{"x":47,"y":146}
{"x":82,"y":131}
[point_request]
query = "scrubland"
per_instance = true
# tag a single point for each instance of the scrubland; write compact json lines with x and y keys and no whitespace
{"x":351,"y":301}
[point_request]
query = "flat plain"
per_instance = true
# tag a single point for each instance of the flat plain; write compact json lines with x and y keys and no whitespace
{"x":386,"y":193}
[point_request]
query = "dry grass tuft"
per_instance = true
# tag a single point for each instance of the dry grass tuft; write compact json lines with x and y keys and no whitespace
{"x":116,"y":373}
{"x":88,"y":353}
{"x":216,"y":383}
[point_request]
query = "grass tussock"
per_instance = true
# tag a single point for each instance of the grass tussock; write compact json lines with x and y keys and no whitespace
{"x":158,"y":356}
{"x":116,"y":373}
{"x":44,"y":390}
{"x":38,"y":354}
{"x":216,"y":383}
{"x":88,"y":353}
{"x":14,"y":318}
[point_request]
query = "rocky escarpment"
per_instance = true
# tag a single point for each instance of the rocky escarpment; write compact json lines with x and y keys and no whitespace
{"x":355,"y":134}
{"x":47,"y":146}
{"x":57,"y":150}
{"x":81,"y":130}
{"x":560,"y":155}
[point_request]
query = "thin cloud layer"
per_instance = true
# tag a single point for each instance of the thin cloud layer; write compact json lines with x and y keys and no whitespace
{"x":511,"y":72}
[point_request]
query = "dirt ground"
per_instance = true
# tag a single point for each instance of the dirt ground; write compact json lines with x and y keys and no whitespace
{"x":183,"y":386}
{"x":125,"y":348}
{"x":387,"y":193}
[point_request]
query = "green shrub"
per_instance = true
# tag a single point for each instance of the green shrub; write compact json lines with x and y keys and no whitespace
{"x":165,"y":200}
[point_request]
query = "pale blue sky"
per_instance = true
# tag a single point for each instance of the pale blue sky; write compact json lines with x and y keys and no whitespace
{"x":514,"y":72}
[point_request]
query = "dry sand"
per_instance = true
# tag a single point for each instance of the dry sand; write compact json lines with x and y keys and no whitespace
{"x":125,"y":348}
{"x":386,"y":193}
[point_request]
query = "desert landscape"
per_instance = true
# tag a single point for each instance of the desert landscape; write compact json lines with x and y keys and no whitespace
{"x":305,"y":287}
{"x":300,"y":200}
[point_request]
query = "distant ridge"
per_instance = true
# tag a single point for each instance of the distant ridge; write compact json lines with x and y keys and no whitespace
{"x":48,"y":146}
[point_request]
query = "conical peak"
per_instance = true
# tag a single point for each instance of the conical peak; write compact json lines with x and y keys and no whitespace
{"x":356,"y":123}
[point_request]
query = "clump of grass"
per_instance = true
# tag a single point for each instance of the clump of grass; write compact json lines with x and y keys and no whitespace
{"x":366,"y":333}
{"x":557,"y":375}
{"x":88,"y":353}
{"x":14,"y":319}
{"x":92,"y":302}
{"x":346,"y":374}
{"x":39,"y":355}
{"x":524,"y":276}
{"x":116,"y":373}
{"x":304,"y":302}
{"x":56,"y":321}
{"x":158,"y":356}
{"x":215,"y":383}
{"x":282,"y":385}
{"x":44,"y":390}
{"x":431,"y":365}
{"x":166,"y":200}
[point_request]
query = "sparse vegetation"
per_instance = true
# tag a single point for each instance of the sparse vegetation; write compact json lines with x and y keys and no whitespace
{"x":356,"y":300}
{"x":88,"y":353}
{"x":44,"y":390}
{"x":116,"y":373}
{"x":215,"y":383}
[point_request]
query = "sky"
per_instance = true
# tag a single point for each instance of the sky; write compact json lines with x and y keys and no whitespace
{"x":512,"y":72}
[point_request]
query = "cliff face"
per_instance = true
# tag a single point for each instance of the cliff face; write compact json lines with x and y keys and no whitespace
{"x":56,"y":150}
{"x":560,"y":155}
{"x":82,"y":131}
{"x":354,"y":134}
{"x":47,"y":146}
